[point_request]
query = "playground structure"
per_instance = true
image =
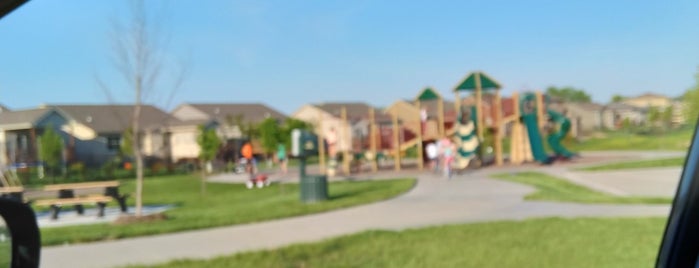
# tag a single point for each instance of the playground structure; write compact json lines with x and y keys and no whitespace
{"x":474,"y":124}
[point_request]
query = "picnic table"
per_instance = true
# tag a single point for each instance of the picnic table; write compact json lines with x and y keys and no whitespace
{"x":77,"y":194}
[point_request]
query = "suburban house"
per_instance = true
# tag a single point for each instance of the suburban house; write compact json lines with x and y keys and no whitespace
{"x":19,"y":132}
{"x":97,"y":130}
{"x":225,"y":117}
{"x":660,"y":102}
{"x":648,"y":100}
{"x":614,"y":114}
{"x":585,"y":117}
{"x":92,"y":134}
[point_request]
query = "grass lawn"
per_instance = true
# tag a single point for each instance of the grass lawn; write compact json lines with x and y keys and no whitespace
{"x":675,"y":140}
{"x":652,"y":163}
{"x":550,"y":242}
{"x":224,"y":204}
{"x":550,"y":188}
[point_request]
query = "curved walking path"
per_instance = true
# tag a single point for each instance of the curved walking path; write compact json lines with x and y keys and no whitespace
{"x":471,"y":197}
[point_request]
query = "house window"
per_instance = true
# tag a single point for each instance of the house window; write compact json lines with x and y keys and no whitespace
{"x":113,"y":143}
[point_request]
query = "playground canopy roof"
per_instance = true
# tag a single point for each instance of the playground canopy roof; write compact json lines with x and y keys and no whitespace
{"x":469,"y":84}
{"x":428,"y":94}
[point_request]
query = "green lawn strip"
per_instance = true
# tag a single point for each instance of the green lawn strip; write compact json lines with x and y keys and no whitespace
{"x":5,"y":247}
{"x":550,"y":188}
{"x":224,"y":204}
{"x":549,"y":242}
{"x":652,"y":163}
{"x":675,"y":140}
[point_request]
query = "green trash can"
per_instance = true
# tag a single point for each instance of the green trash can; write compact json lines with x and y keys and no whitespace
{"x":314,"y":188}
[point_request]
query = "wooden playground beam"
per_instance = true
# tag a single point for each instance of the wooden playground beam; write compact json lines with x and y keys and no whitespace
{"x":321,"y":145}
{"x":440,"y":116}
{"x":457,"y":106}
{"x":516,"y":148}
{"x":347,"y":138}
{"x":419,"y":138}
{"x":498,"y":129}
{"x":396,"y":142}
{"x":540,"y":109}
{"x":479,"y":103}
{"x":372,"y":139}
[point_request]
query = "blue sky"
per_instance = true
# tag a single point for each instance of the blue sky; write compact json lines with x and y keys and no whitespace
{"x":288,"y":53}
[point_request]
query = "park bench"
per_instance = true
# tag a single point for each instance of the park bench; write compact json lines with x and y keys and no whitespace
{"x":74,"y":194}
{"x":13,"y":192}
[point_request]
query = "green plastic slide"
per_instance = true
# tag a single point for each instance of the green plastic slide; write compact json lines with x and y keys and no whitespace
{"x":535,"y":138}
{"x":555,"y":138}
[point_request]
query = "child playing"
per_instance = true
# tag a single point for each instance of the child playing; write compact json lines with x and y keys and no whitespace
{"x":448,"y":151}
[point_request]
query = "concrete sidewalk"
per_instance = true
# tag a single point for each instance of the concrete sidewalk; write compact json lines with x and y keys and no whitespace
{"x":434,"y":201}
{"x":651,"y":182}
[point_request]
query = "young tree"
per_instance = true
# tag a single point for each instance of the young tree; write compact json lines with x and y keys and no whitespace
{"x":51,"y":149}
{"x":126,"y":143}
{"x":138,"y":54}
{"x":269,"y":135}
{"x":654,"y":116}
{"x":247,"y":129}
{"x":667,"y":115}
{"x":209,"y":144}
{"x":569,"y":94}
{"x":289,"y":125}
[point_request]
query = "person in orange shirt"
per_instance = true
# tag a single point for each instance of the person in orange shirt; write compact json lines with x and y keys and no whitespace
{"x":246,"y":151}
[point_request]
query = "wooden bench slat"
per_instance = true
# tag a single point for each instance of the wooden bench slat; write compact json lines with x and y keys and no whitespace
{"x":82,"y":185}
{"x":12,"y":189}
{"x":73,"y":201}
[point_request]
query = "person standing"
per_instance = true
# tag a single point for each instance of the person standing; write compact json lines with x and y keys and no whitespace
{"x":246,"y":152}
{"x":448,"y":151}
{"x":281,"y":157}
{"x":432,"y":154}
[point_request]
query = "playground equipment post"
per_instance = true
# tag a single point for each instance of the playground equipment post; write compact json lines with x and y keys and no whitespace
{"x":372,"y":139}
{"x":396,"y":142}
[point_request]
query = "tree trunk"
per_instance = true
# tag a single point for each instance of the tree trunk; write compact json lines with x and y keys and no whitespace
{"x":135,"y":144}
{"x":204,"y":166}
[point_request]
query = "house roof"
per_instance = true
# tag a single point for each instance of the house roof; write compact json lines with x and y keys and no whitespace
{"x":115,"y":118}
{"x":4,"y":108}
{"x":22,"y":117}
{"x":649,"y":95}
{"x":622,"y":106}
{"x":588,"y":106}
{"x":251,"y":112}
{"x":355,"y":110}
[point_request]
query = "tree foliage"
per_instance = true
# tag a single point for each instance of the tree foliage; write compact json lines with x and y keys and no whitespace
{"x":247,"y":129}
{"x":209,"y":143}
{"x":654,"y":116}
{"x":269,"y":134}
{"x":126,"y":143}
{"x":617,"y":98}
{"x":666,"y":116}
{"x":289,"y":125}
{"x":51,"y":147}
{"x":690,"y":101}
{"x":272,"y":133}
{"x":569,"y":94}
